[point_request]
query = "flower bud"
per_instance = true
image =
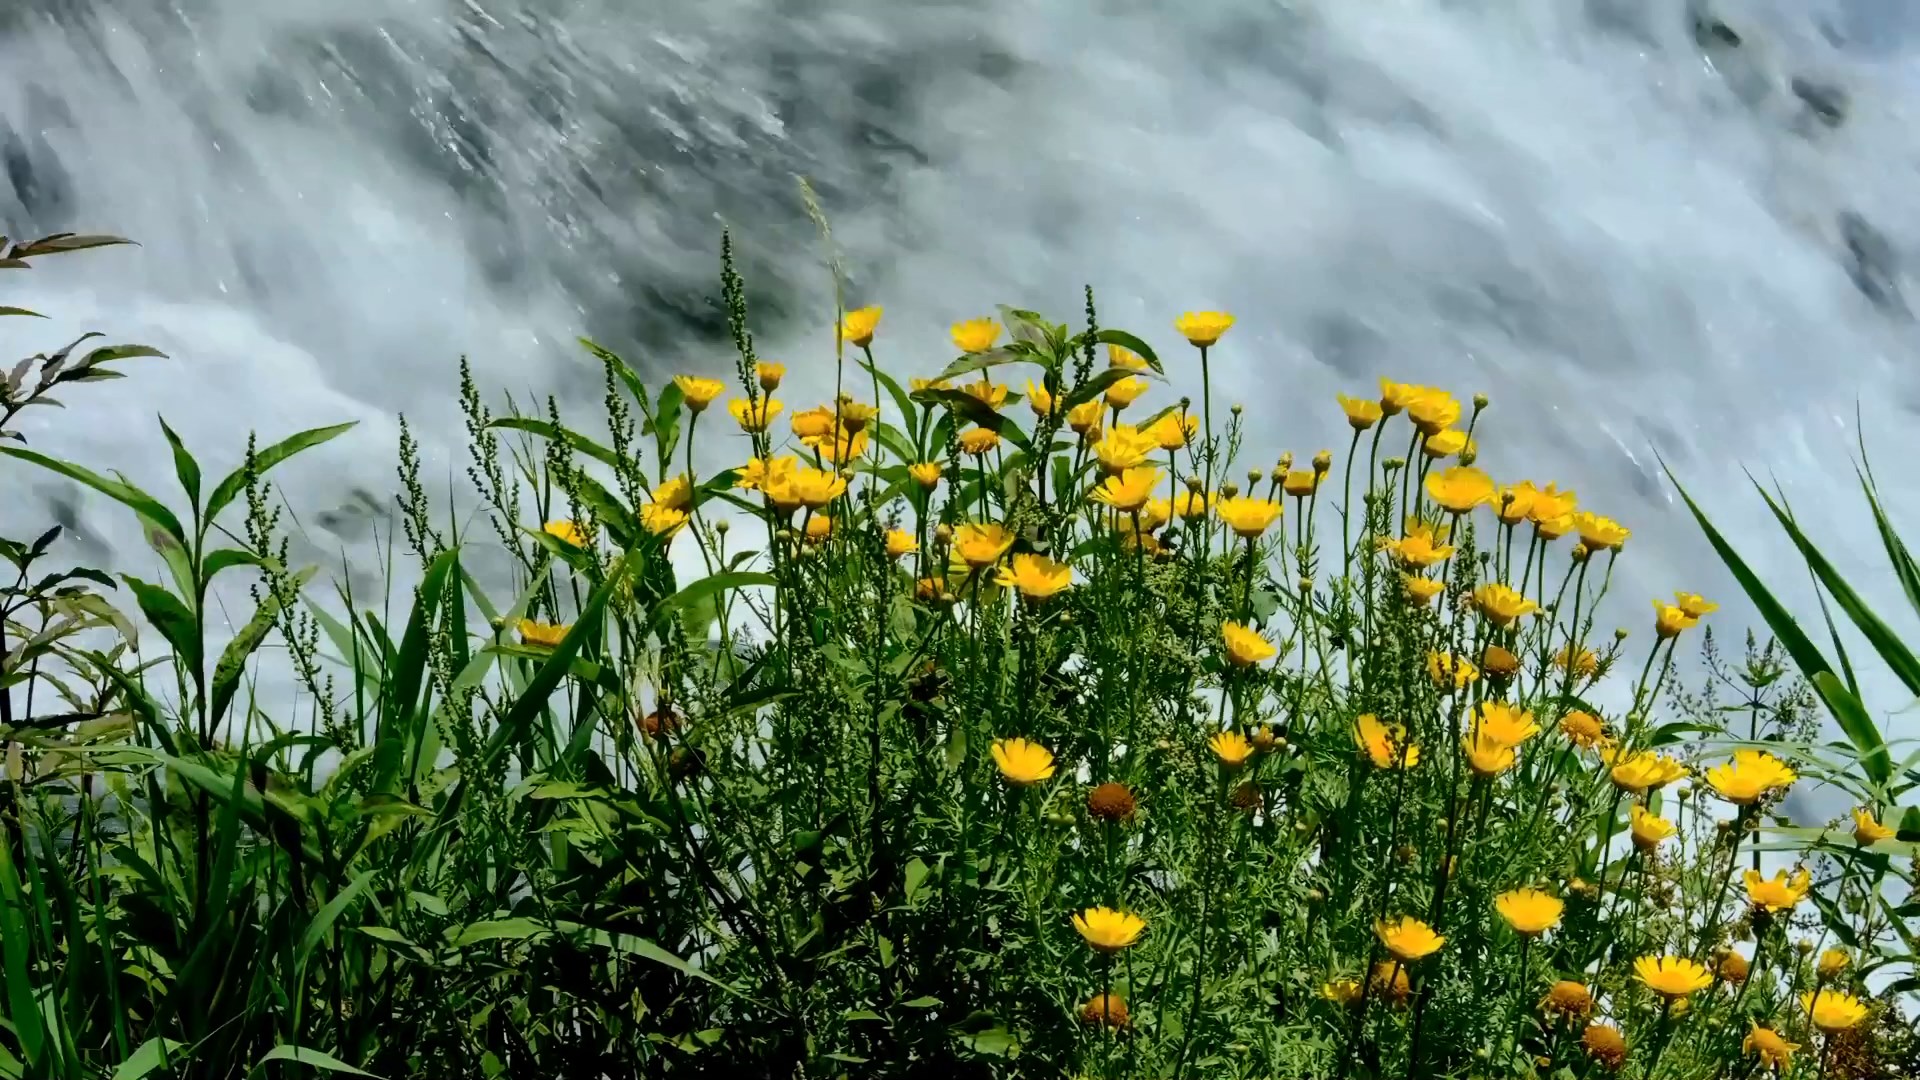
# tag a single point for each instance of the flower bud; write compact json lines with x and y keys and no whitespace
{"x":1479,"y":402}
{"x":1253,"y":477}
{"x":1194,"y":485}
{"x":944,"y":534}
{"x":1580,"y":553}
{"x":1323,"y":461}
{"x":1235,"y":408}
{"x":1229,"y":490}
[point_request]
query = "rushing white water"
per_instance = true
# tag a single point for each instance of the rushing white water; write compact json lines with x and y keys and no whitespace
{"x":1620,"y":218}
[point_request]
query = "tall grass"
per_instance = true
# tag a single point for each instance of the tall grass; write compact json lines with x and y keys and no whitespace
{"x":1015,"y":725}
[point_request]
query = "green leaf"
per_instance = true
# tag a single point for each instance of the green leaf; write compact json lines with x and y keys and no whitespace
{"x":119,"y":490}
{"x":1096,"y":386}
{"x":227,"y":559}
{"x":1128,"y":341}
{"x":496,"y":930}
{"x":63,"y":242}
{"x":706,"y":588}
{"x":300,"y":1055}
{"x":328,"y":915}
{"x":1846,"y":708}
{"x":16,"y":953}
{"x":553,"y":433}
{"x":533,"y":699}
{"x":153,"y":1054}
{"x":1884,"y":641}
{"x":20,"y":311}
{"x":232,"y":664}
{"x":184,"y":467}
{"x":621,"y":369}
{"x":170,"y":616}
{"x":236,"y":481}
{"x":908,"y":414}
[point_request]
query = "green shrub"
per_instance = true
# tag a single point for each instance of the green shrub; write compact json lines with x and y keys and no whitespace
{"x":1003,"y":732}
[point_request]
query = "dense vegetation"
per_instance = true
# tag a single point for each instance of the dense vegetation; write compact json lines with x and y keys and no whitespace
{"x":1038,"y":731}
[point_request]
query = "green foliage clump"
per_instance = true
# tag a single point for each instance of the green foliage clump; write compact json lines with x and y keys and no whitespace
{"x":960,"y":730}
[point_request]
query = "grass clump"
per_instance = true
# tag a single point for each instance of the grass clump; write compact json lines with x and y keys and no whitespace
{"x":1017,"y":721}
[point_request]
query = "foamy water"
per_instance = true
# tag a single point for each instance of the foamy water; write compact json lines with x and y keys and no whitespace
{"x":1633,"y":233}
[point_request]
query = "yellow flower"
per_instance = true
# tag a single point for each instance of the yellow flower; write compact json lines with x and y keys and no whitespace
{"x":819,"y":527}
{"x":1443,"y":668}
{"x":1190,"y":505}
{"x":1040,"y":399}
{"x":1125,"y":392}
{"x":1499,"y":662}
{"x":979,"y":441}
{"x":1085,"y":417}
{"x":1514,"y":502}
{"x":1231,"y":747}
{"x":814,"y":488}
{"x":1172,"y":430}
{"x":1109,"y":930}
{"x":1361,"y":413}
{"x":843,"y":447}
{"x":1567,"y":999}
{"x":1582,"y":728}
{"x":1038,"y":577}
{"x":1504,"y":723}
{"x":1867,"y":829}
{"x":901,"y":542}
{"x":857,"y":326}
{"x":975,"y":335}
{"x":1203,"y":328}
{"x":1422,"y":590}
{"x":1128,"y":491}
{"x":1695,"y":605}
{"x":545,"y":635}
{"x":1778,"y":893}
{"x":1445,"y":444}
{"x":1668,"y":620}
{"x":1770,"y":1047}
{"x":1529,"y":911}
{"x":1155,"y":513}
{"x":1643,"y":771}
{"x":1585,"y":661}
{"x":1600,"y":533}
{"x":1460,"y":488}
{"x":1244,"y":644}
{"x":567,"y":532}
{"x":1300,"y":483}
{"x":769,"y":374}
{"x":1487,"y":757}
{"x":814,"y":423}
{"x":1833,"y":1011}
{"x":1122,"y":357}
{"x":1124,"y":448}
{"x":676,"y":493}
{"x":1408,"y":939}
{"x":1550,"y":502}
{"x":987,"y":392}
{"x":856,"y":415}
{"x":754,"y":418}
{"x":980,"y":546}
{"x":917,"y":385}
{"x":1553,"y":528}
{"x":1342,"y":992}
{"x":1396,"y":396}
{"x":1649,"y":828}
{"x":1832,"y":963}
{"x":661,"y":519}
{"x":1384,"y":743}
{"x":1422,"y":546}
{"x":1022,"y":762}
{"x":1604,"y":1044}
{"x":699,"y":392}
{"x":1502,"y":605}
{"x":1433,"y":412}
{"x":1247,"y":516}
{"x":756,"y":474}
{"x":926,"y":474}
{"x":1671,"y":976}
{"x":1750,"y":776}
